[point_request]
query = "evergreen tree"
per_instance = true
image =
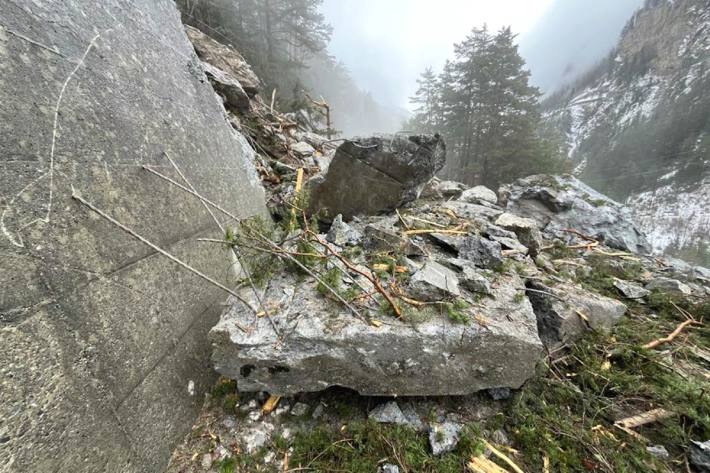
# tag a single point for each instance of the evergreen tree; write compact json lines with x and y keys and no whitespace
{"x":427,"y":100}
{"x":488,"y":112}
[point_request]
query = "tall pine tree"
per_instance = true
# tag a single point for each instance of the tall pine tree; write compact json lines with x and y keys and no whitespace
{"x":488,"y":112}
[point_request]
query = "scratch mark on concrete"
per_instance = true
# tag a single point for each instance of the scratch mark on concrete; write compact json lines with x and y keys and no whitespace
{"x":32,"y":41}
{"x":18,"y":242}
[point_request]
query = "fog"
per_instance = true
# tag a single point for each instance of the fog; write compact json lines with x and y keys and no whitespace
{"x":571,"y":37}
{"x":387,"y":44}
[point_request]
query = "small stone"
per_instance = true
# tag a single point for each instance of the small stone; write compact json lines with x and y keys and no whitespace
{"x":342,"y":234}
{"x":525,"y":228}
{"x":699,"y":456}
{"x":389,"y":468}
{"x":206,"y":461}
{"x":472,"y":211}
{"x":434,"y":282}
{"x":499,"y":394}
{"x":630,"y":290}
{"x":482,"y":252}
{"x":500,"y":437}
{"x":668,"y":285}
{"x":383,"y":236}
{"x":388,"y":413}
{"x":318,"y":412}
{"x":444,"y":437}
{"x":269,"y":457}
{"x":470,"y":277}
{"x":257,"y":436}
{"x":413,"y":419}
{"x":658,"y":451}
{"x":254,"y":416}
{"x":300,"y":409}
{"x":511,"y":244}
{"x":448,"y":242}
{"x":479,"y":194}
{"x":449,"y":189}
{"x":229,"y":423}
{"x":303,"y":149}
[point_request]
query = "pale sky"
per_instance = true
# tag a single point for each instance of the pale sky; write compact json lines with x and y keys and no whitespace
{"x":386,"y":44}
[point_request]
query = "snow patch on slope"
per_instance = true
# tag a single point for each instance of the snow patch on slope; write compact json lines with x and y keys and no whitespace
{"x":673,"y":216}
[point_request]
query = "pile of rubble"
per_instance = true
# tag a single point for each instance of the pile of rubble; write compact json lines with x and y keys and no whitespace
{"x":451,"y":294}
{"x":390,"y":282}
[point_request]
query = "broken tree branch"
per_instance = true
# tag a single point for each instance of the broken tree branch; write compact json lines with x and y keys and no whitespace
{"x":672,"y":336}
{"x":267,"y":241}
{"x":234,"y":249}
{"x":155,"y":247}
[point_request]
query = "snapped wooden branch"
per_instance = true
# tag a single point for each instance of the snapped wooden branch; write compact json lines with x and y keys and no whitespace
{"x":369,"y":276}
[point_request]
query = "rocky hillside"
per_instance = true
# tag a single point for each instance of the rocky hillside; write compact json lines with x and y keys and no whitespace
{"x":389,"y":321}
{"x":637,"y":126}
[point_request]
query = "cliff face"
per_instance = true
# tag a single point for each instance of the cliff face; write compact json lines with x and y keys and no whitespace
{"x":637,"y":126}
{"x":104,"y":357}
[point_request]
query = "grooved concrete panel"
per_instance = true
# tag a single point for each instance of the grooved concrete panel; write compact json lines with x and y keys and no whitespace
{"x":100,"y":335}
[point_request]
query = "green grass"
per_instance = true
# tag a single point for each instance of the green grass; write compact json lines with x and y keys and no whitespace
{"x":361,"y":446}
{"x":568,"y":413}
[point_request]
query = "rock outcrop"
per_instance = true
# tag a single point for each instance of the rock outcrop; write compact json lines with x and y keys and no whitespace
{"x":561,"y":203}
{"x":372,"y":175}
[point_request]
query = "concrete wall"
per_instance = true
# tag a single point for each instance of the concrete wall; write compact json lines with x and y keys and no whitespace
{"x":100,"y":336}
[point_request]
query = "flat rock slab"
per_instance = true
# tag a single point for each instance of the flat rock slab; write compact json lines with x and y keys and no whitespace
{"x":324,"y":345}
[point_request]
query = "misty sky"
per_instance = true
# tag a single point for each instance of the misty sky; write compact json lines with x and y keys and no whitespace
{"x":386,"y":44}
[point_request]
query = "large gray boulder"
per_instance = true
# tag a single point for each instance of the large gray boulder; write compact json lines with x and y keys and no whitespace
{"x":325,"y":345}
{"x":372,"y":175}
{"x":560,"y":203}
{"x":104,"y":353}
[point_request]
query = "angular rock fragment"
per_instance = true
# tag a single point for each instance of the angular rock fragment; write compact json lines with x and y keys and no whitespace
{"x":448,"y":241}
{"x":472,"y":211}
{"x":482,"y":252}
{"x":526,"y":230}
{"x":388,"y":413}
{"x":383,"y":237}
{"x":433,"y":282}
{"x":566,"y":312}
{"x":342,"y":234}
{"x":443,"y":438}
{"x":479,"y":194}
{"x":303,"y":149}
{"x":372,"y":175}
{"x":630,"y":290}
{"x":229,"y":87}
{"x":324,"y":345}
{"x":668,"y":285}
{"x":448,"y":189}
{"x":224,"y":58}
{"x":469,"y":277}
{"x":699,"y":456}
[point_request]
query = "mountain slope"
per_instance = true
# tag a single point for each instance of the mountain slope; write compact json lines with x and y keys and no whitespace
{"x":638,"y":125}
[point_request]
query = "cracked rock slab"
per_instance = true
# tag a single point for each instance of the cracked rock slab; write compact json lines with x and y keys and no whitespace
{"x":324,"y":345}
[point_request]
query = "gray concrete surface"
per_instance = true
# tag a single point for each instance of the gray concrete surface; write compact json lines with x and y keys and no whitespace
{"x":101,"y":337}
